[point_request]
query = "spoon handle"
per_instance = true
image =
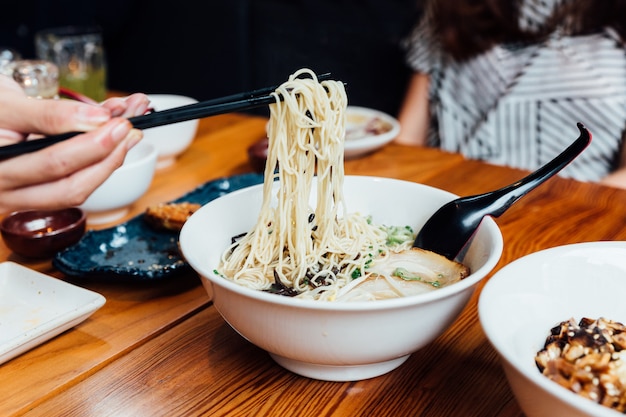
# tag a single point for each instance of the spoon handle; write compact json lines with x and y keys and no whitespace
{"x":451,"y":228}
{"x":495,"y":203}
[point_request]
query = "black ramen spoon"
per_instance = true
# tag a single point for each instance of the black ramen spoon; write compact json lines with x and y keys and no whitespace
{"x":448,"y":231}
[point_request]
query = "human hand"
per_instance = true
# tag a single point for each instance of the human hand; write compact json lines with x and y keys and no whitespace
{"x":64,"y":174}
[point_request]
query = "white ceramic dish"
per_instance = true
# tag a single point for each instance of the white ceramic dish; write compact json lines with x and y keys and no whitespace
{"x":112,"y":199}
{"x":326,"y":340}
{"x":360,"y":139}
{"x":35,"y":307}
{"x":170,"y":140}
{"x":524,"y":300}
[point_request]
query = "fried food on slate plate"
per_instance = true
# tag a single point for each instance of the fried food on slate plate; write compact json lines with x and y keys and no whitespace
{"x":169,"y":216}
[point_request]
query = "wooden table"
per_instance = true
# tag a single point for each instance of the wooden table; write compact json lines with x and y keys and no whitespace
{"x":161,"y":349}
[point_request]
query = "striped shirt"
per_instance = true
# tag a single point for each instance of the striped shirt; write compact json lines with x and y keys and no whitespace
{"x":518,"y":105}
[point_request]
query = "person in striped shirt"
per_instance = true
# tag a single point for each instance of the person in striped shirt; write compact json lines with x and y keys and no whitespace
{"x":506,"y":82}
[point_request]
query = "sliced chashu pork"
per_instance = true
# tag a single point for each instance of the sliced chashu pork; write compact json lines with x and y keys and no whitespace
{"x":410,"y":272}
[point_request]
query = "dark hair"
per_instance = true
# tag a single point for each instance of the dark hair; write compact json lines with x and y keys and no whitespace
{"x":467,"y":28}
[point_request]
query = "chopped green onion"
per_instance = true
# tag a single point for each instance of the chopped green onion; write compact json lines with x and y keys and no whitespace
{"x":404,"y":274}
{"x":398,"y":235}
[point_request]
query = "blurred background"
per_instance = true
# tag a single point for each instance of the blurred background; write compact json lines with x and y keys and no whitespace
{"x":210,"y":49}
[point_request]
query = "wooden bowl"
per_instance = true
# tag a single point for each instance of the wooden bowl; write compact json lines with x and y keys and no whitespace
{"x":42,"y":233}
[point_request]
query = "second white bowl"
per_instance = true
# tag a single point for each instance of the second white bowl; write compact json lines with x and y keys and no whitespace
{"x":522,"y":301}
{"x":170,"y":140}
{"x":111,"y":200}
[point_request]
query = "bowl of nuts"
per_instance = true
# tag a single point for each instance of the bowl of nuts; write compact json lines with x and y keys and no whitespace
{"x":556,"y":318}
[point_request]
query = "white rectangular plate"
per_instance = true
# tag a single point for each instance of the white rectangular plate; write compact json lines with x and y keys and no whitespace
{"x":35,"y":307}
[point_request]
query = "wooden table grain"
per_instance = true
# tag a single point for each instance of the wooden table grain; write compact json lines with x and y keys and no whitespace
{"x":161,"y":348}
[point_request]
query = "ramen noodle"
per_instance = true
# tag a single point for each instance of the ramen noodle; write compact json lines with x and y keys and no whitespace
{"x":295,"y":249}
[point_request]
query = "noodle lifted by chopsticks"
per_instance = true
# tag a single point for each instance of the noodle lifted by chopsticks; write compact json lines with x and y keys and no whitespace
{"x":310,"y":252}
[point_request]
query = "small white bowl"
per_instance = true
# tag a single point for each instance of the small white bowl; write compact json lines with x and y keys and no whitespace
{"x":521,"y":303}
{"x":360,"y":140}
{"x":335,"y":341}
{"x":112,"y":199}
{"x":170,"y":140}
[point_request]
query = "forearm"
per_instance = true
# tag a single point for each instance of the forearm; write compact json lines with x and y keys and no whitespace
{"x":414,"y":113}
{"x":616,"y":178}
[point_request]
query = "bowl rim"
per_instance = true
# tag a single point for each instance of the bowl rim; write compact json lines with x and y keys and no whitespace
{"x":536,"y":378}
{"x":459,"y":287}
{"x":171,"y":95}
{"x":11,"y":217}
{"x":177,"y":99}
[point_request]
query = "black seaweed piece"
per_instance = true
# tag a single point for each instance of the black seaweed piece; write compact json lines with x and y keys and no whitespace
{"x":235,"y":238}
{"x":281,"y":289}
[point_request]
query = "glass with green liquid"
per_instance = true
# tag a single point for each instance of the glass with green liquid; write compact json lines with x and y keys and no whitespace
{"x":78,"y":52}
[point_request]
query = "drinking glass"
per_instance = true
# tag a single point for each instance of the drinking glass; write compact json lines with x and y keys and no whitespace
{"x":38,"y":78}
{"x":79,"y":54}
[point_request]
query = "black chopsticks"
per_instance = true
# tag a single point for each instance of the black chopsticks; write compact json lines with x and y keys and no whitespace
{"x":232,"y":103}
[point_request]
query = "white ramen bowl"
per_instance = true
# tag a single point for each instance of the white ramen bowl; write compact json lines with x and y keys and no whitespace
{"x":522,"y":301}
{"x":336,"y":341}
{"x":112,"y":199}
{"x":170,"y":140}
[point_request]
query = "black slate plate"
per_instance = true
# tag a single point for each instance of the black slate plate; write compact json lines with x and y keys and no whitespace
{"x":133,"y":251}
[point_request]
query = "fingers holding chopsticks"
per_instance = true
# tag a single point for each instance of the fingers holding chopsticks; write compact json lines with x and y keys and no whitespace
{"x":233,"y":103}
{"x":22,"y":115}
{"x":65,"y":174}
